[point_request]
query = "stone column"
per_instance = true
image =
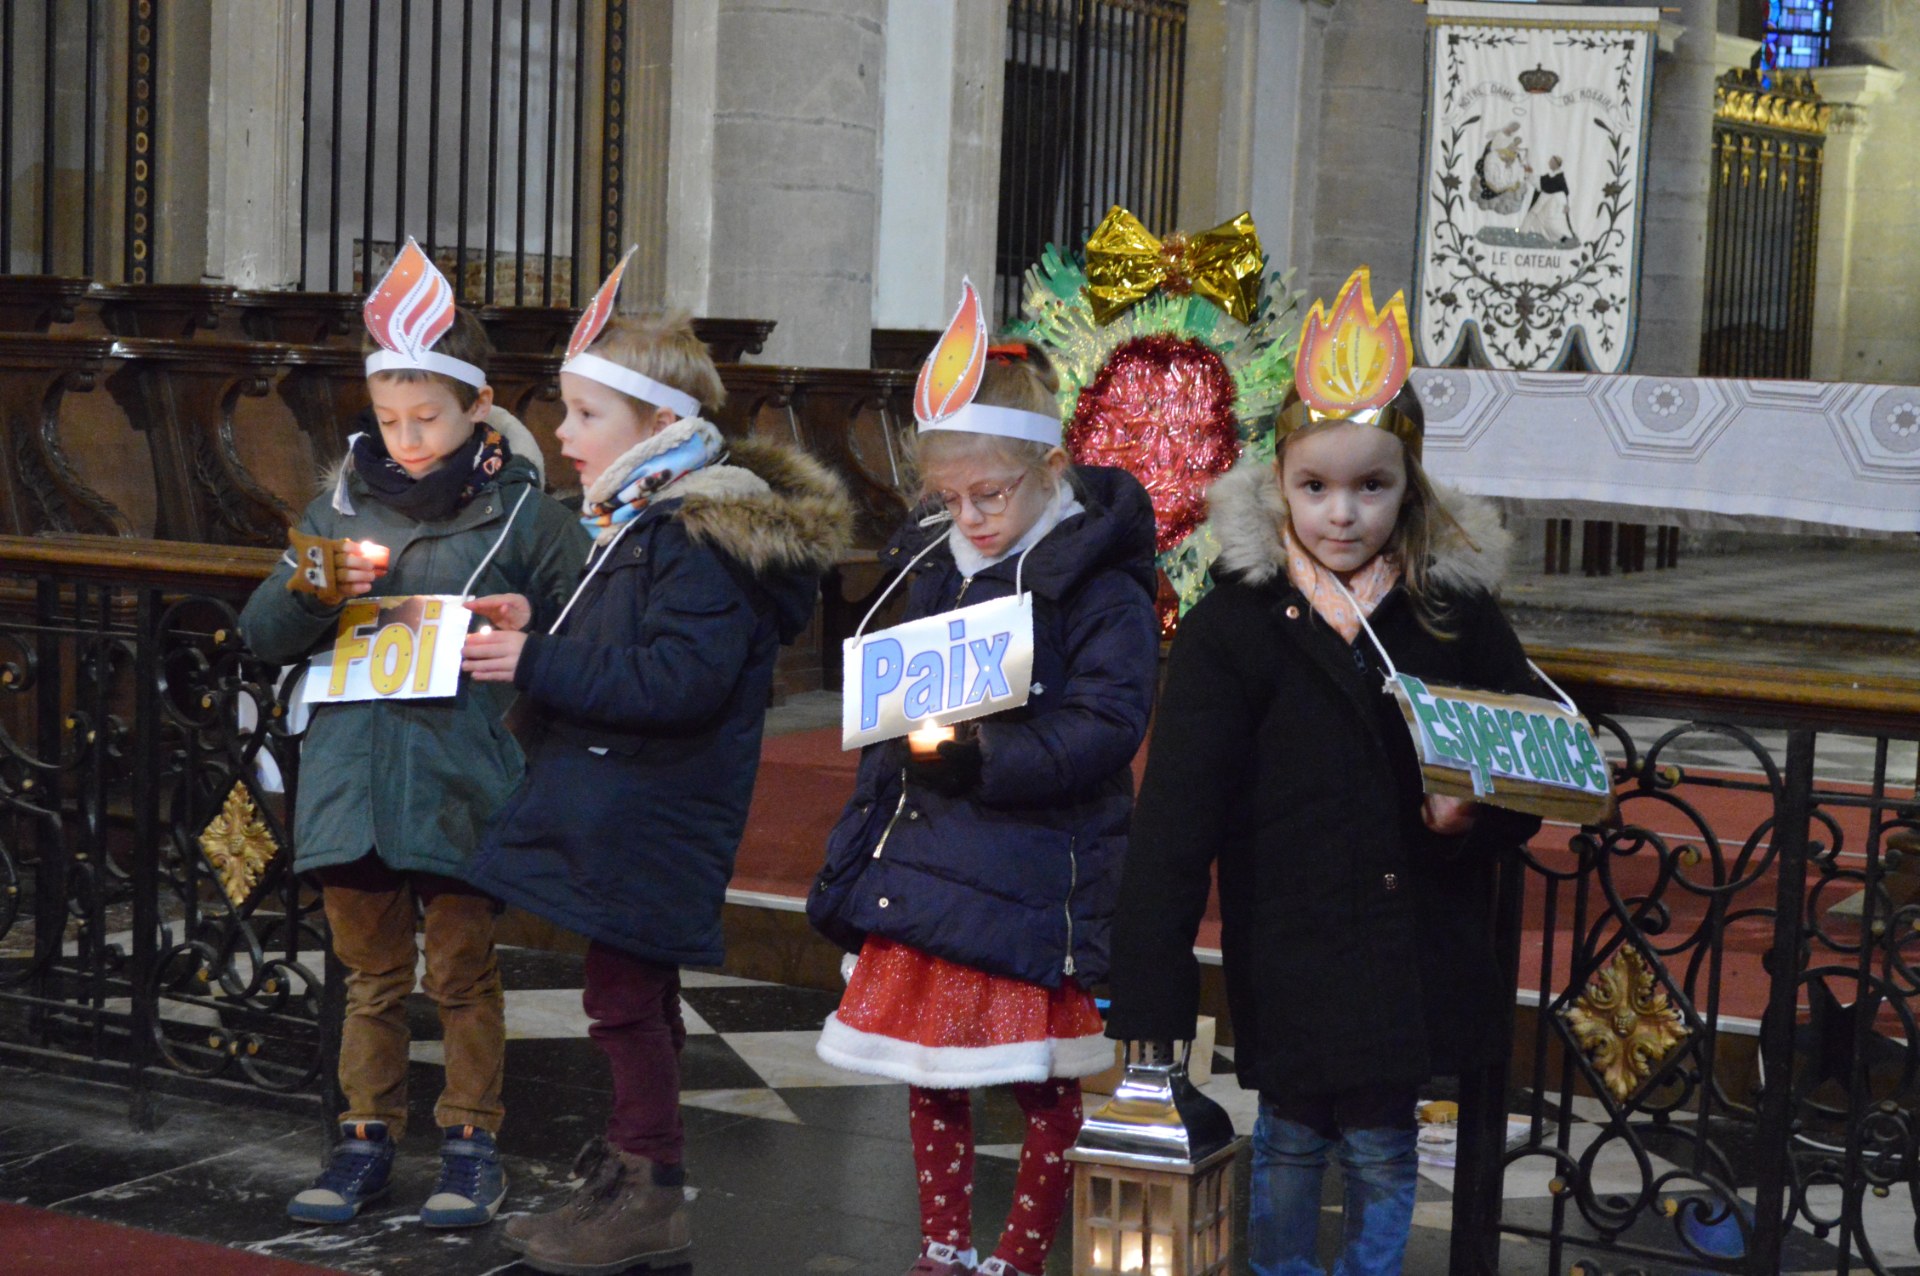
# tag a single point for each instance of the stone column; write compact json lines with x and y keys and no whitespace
{"x":939,"y":191}
{"x":1882,"y":289}
{"x":254,"y":131}
{"x":1673,"y":253}
{"x":1860,"y":96}
{"x":1364,"y":124}
{"x":795,"y":165}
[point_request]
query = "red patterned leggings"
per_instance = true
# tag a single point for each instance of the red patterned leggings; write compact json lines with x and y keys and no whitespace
{"x":942,"y":1126}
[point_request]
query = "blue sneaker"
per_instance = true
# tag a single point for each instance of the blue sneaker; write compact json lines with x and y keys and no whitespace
{"x":356,"y":1175}
{"x":472,"y":1180}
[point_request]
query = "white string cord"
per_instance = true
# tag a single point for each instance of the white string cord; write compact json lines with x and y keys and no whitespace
{"x":466,"y":590}
{"x":625,"y":527}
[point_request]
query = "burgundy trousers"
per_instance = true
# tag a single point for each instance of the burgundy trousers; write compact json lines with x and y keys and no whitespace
{"x":634,"y":1006}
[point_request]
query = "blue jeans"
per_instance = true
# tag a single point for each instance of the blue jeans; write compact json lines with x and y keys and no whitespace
{"x":1283,"y":1220}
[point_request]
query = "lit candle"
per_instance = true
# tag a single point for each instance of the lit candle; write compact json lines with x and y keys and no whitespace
{"x":484,"y":629}
{"x":925,"y":743}
{"x":376,"y":555}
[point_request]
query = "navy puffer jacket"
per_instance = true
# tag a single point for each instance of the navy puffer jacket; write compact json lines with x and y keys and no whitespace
{"x":1018,"y":877}
{"x":643,"y":714}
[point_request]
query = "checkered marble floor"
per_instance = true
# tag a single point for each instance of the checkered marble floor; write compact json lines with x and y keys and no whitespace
{"x":798,"y":1167}
{"x":750,"y":1054}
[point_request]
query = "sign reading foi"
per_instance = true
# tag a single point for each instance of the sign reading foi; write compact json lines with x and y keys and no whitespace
{"x":391,"y":649}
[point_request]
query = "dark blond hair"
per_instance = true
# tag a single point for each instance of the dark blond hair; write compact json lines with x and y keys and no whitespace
{"x":466,"y":341}
{"x":662,"y":345}
{"x":1028,"y":384}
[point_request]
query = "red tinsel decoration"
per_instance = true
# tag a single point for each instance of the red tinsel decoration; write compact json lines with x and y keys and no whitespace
{"x":1161,"y":408}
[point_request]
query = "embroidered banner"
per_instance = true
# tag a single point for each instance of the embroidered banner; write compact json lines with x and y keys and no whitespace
{"x":1534,"y":167}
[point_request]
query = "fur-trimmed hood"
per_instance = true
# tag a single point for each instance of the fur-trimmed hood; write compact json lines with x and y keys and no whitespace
{"x":1247,"y":511}
{"x":767,"y":506}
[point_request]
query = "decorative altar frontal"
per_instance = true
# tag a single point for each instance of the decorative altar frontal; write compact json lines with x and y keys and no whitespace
{"x":1533,"y":175}
{"x":1693,"y":451}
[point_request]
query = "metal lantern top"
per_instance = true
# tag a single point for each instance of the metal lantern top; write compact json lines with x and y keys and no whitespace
{"x":1156,"y":1120}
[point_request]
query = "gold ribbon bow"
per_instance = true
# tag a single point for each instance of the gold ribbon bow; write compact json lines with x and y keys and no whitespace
{"x":1125,"y":263}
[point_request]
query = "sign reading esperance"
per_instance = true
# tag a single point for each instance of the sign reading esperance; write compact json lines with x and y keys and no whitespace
{"x":404,"y":648}
{"x":937,"y":670}
{"x":1518,"y":752}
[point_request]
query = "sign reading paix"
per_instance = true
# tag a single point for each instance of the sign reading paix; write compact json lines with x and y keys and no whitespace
{"x":937,"y":670}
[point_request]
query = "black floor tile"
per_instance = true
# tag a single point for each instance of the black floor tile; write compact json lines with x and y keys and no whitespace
{"x":771,"y":1008}
{"x":523,"y":969}
{"x":708,"y":1063}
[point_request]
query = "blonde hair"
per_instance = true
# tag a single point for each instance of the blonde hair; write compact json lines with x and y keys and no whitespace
{"x":662,"y":345}
{"x":1028,"y":384}
{"x":466,"y":341}
{"x":1416,"y":530}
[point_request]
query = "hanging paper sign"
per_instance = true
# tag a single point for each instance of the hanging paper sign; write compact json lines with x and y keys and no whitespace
{"x":404,"y":648}
{"x":937,"y":671}
{"x":1517,"y":752}
{"x":1533,"y":181}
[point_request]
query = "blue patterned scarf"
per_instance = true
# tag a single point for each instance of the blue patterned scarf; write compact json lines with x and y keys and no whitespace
{"x":646,"y":468}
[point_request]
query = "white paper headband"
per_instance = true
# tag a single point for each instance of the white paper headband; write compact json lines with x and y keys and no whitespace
{"x":1008,"y":423}
{"x":426,"y":361}
{"x":627,"y":381}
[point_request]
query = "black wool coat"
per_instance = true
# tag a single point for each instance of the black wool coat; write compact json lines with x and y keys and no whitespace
{"x":1357,"y":944}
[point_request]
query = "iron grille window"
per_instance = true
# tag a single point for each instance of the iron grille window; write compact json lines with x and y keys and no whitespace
{"x":458,"y":122}
{"x":1091,"y":119}
{"x":55,"y":136}
{"x":1799,"y":32}
{"x":1763,"y":225}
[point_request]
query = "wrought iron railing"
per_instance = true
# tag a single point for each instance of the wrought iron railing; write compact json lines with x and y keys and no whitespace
{"x":1720,"y":1068}
{"x":150,"y":931}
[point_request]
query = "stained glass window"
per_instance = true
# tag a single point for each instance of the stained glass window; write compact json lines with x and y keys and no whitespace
{"x":1798,"y":32}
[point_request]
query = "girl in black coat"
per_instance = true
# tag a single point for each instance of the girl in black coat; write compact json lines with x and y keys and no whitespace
{"x":1355,"y":911}
{"x":977,"y":887}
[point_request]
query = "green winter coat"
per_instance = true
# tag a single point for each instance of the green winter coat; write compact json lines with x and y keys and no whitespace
{"x":415,"y":779}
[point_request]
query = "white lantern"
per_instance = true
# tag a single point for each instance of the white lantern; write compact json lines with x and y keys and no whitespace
{"x":1153,"y":1183}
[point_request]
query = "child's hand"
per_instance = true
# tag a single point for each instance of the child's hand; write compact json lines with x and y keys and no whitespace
{"x":1448,"y":816}
{"x":493,"y":656}
{"x":954,"y":772}
{"x":356,"y":573}
{"x":503,"y":611}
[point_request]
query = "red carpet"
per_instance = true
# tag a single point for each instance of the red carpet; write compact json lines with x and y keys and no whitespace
{"x":45,"y":1243}
{"x":805,"y":779}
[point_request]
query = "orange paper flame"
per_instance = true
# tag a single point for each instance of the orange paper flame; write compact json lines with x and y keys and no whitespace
{"x":951,"y":375}
{"x":412,"y":307}
{"x":600,"y":309}
{"x":1360,"y":357}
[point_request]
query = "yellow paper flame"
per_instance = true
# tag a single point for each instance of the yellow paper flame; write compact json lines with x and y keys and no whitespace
{"x":1360,"y":357}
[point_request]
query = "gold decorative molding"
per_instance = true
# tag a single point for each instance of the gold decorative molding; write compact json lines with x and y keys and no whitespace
{"x":1789,"y":102}
{"x":238,"y":844}
{"x":1625,"y":1023}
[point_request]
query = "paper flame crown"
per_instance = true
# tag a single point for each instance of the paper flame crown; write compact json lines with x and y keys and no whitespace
{"x":1353,"y":363}
{"x":951,"y":375}
{"x":637,"y":385}
{"x":600,"y":309}
{"x":411,"y":307}
{"x":943,"y":395}
{"x":407,"y":313}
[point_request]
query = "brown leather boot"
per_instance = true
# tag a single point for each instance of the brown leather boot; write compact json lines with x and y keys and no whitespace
{"x":591,"y":1166}
{"x":619,"y":1220}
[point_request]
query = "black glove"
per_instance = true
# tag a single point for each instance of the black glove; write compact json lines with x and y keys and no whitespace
{"x":954,"y":773}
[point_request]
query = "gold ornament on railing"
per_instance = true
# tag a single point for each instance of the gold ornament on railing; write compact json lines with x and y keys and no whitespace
{"x":1625,"y":1022}
{"x":238,"y":844}
{"x":1125,"y":263}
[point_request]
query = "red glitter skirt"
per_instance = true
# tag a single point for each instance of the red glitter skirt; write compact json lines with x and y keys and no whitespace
{"x":916,"y":1018}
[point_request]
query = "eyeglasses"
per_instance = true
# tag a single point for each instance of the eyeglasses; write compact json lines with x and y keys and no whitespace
{"x":990,"y":502}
